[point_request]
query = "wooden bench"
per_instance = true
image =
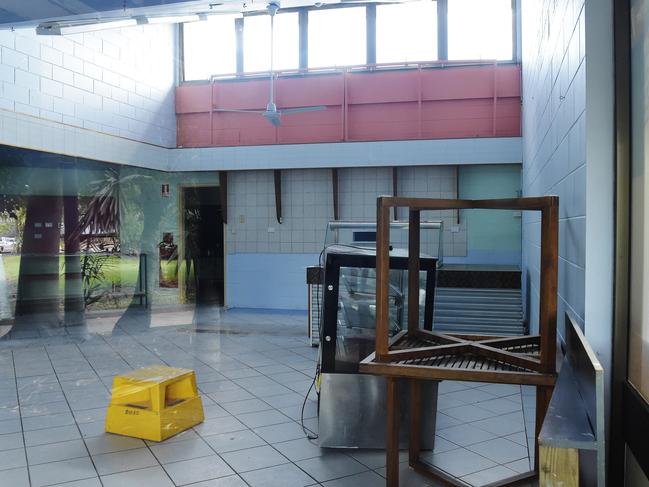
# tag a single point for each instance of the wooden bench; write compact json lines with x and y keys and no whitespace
{"x":571,"y":442}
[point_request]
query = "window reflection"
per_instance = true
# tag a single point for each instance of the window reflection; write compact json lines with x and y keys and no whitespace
{"x":480,"y":29}
{"x":86,"y":238}
{"x":406,"y":32}
{"x":210,"y":47}
{"x":256,"y":42}
{"x":337,"y":37}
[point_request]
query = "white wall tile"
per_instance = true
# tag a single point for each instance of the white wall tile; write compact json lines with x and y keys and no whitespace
{"x":86,"y":75}
{"x":554,"y":162}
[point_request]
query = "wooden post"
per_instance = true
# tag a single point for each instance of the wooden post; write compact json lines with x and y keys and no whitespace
{"x":413,"y":270}
{"x":548,"y":291}
{"x":415,"y":422}
{"x":559,"y":466}
{"x":543,"y":397}
{"x":392,"y":433}
{"x":382,"y":278}
{"x":548,"y":309}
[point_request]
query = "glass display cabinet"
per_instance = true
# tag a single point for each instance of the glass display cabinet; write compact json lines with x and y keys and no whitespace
{"x":352,"y":405}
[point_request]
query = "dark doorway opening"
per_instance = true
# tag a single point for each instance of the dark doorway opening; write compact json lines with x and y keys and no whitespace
{"x":203,"y":246}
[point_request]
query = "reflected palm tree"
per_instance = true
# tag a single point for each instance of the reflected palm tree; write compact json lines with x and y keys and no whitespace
{"x":114,"y":195}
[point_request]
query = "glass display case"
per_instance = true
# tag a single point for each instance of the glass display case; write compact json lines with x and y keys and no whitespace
{"x":349,"y":308}
{"x":352,"y":405}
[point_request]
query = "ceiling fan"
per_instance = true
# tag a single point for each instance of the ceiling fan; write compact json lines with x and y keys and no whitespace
{"x":272,"y":114}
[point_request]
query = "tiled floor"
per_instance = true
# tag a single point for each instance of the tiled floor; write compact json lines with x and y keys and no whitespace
{"x":253,"y":369}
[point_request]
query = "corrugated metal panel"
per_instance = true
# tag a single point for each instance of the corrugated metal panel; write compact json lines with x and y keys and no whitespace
{"x":482,"y":311}
{"x":315,"y":303}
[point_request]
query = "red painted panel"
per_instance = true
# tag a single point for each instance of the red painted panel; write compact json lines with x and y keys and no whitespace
{"x":456,"y":102}
{"x":300,"y":128}
{"x":192,"y":98}
{"x":509,"y":81}
{"x":382,"y":87}
{"x":314,"y":90}
{"x":457,"y":83}
{"x":392,"y":121}
{"x":245,"y":95}
{"x":193,"y":130}
{"x":242,"y":129}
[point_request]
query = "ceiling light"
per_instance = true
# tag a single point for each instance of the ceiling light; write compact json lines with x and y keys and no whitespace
{"x":79,"y":27}
{"x":169,"y":19}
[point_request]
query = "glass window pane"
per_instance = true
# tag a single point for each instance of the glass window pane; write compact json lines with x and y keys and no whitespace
{"x":256,"y":42}
{"x":337,"y":37}
{"x":480,"y":29}
{"x":210,"y":47}
{"x":639,"y":285}
{"x":406,"y":32}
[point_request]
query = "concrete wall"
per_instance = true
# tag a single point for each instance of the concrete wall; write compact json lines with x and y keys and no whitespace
{"x":554,"y":146}
{"x":569,"y":150}
{"x":118,"y":82}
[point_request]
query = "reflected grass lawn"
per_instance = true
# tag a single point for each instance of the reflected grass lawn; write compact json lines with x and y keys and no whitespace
{"x":120,"y":271}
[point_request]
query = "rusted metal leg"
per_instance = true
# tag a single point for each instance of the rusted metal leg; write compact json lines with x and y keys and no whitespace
{"x":392,"y":433}
{"x":543,"y":396}
{"x":415,"y":422}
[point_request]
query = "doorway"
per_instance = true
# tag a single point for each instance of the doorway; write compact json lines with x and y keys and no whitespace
{"x":202,"y":247}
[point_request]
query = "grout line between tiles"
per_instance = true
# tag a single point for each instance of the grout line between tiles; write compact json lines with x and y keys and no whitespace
{"x":20,"y":415}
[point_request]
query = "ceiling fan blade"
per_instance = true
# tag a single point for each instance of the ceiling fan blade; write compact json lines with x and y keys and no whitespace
{"x":234,"y":110}
{"x":286,"y":111}
{"x":273,"y":117}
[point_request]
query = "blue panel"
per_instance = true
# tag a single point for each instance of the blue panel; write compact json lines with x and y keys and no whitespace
{"x":267,"y":280}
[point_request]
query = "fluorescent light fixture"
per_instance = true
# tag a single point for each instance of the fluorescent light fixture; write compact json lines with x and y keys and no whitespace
{"x":169,"y":19}
{"x":78,"y":27}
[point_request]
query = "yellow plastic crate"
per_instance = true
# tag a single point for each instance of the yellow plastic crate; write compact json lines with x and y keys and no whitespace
{"x":154,"y":403}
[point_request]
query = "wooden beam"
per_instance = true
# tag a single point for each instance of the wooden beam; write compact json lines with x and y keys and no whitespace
{"x":223,"y":195}
{"x":559,"y":466}
{"x":415,"y":422}
{"x":428,"y":372}
{"x":543,"y":398}
{"x":507,"y":357}
{"x":503,"y":342}
{"x":382,"y":279}
{"x":392,"y":433}
{"x":548,"y":286}
{"x":334,"y":191}
{"x":428,"y":352}
{"x":414,"y":221}
{"x":538,"y":203}
{"x":440,"y":337}
{"x":278,"y":194}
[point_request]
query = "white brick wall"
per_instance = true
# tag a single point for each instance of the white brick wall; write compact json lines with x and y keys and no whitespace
{"x":118,"y":82}
{"x":307,"y":205}
{"x":554,"y":145}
